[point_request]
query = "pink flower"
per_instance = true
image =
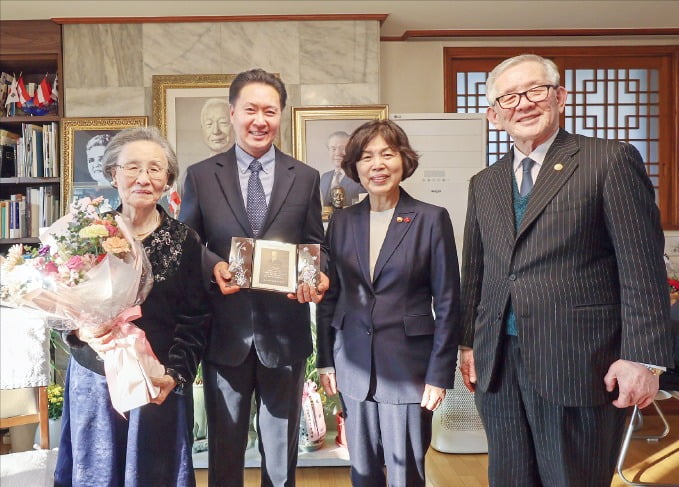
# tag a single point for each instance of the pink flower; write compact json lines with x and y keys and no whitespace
{"x":51,"y":267}
{"x":88,"y":261}
{"x":75,"y":263}
{"x":112,"y":229}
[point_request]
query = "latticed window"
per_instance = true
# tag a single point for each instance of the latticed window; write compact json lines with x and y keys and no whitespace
{"x":621,"y":104}
{"x":611,"y":94}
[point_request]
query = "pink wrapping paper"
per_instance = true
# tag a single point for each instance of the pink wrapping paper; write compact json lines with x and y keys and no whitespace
{"x":131,"y":364}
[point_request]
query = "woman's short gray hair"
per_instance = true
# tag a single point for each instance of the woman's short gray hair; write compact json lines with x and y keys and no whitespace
{"x":551,"y":70}
{"x":127,"y":136}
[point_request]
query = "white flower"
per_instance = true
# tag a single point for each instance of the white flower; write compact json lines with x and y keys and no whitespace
{"x":14,"y":257}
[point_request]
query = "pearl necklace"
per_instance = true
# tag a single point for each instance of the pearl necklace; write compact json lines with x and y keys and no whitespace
{"x":156,"y":222}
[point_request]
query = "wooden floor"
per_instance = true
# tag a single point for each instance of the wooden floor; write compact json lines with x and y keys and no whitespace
{"x":647,"y":462}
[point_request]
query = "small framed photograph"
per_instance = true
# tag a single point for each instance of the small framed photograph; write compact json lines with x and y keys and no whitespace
{"x":84,"y":141}
{"x":319,"y":137}
{"x":275,"y":266}
{"x":192,"y":111}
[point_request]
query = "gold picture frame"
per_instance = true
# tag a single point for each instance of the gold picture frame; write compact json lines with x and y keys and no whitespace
{"x":187,"y":94}
{"x":83,"y":140}
{"x":312,"y":128}
{"x":306,"y":143}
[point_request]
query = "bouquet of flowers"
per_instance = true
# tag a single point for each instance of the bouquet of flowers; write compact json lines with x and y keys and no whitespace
{"x":90,"y":272}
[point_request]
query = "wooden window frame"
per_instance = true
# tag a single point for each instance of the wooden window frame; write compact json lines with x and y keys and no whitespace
{"x":666,"y":58}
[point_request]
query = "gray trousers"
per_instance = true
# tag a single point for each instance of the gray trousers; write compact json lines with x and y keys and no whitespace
{"x":534,"y":442}
{"x":379,"y":434}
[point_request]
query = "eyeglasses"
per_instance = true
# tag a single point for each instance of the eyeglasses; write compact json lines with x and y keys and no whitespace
{"x":535,"y":94}
{"x":133,"y":171}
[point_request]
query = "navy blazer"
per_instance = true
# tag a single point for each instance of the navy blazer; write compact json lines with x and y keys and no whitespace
{"x":584,"y":272}
{"x":213,"y":205}
{"x":388,"y":321}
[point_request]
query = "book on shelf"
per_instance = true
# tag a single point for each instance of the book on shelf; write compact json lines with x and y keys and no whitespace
{"x":38,"y":161}
{"x":8,"y":153}
{"x":35,"y":153}
{"x":4,"y":219}
{"x":50,"y":144}
{"x":23,"y":215}
{"x":34,"y":204}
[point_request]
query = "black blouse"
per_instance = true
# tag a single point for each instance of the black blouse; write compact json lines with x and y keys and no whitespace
{"x":175,"y":315}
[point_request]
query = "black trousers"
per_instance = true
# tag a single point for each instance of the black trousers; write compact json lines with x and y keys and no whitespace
{"x":278,"y":396}
{"x":534,"y":442}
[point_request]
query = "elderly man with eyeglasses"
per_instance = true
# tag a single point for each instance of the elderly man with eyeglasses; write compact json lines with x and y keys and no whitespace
{"x":564,"y":299}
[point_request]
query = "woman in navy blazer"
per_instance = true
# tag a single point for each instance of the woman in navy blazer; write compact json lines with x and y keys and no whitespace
{"x":388,"y":328}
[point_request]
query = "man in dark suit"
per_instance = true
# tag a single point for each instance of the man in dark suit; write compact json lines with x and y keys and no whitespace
{"x":259,"y":340}
{"x":563,"y":287}
{"x":337,"y":142}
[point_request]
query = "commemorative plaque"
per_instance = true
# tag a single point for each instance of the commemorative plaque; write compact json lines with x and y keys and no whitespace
{"x":272,"y":265}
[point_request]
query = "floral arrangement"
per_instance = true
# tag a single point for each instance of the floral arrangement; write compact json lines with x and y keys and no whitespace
{"x":87,"y":239}
{"x":672,"y":276}
{"x":55,"y":401}
{"x":674,"y":285}
{"x":90,"y":272}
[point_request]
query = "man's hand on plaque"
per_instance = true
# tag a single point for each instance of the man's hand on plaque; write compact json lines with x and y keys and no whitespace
{"x":223,"y":278}
{"x":311,"y":294}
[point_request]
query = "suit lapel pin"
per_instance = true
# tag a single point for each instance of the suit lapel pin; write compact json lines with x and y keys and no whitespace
{"x":558,"y":167}
{"x":399,"y":219}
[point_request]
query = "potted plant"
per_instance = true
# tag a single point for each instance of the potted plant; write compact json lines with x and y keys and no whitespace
{"x":331,"y":405}
{"x":55,"y":408}
{"x":199,"y":415}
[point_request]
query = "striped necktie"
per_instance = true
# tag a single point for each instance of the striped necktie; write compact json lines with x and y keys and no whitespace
{"x":256,"y":206}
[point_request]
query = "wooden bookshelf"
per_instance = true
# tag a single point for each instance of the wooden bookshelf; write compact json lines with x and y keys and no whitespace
{"x":33,"y":48}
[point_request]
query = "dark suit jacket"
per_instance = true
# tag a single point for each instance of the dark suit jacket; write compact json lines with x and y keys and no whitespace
{"x":584,"y":271}
{"x":351,"y":189}
{"x":213,"y":205}
{"x":388,"y":321}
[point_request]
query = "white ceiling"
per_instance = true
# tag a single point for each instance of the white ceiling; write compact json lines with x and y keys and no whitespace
{"x":403,"y":15}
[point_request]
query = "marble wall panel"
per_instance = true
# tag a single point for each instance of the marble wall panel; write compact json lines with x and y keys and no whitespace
{"x":340,"y":94}
{"x":321,"y":62}
{"x":273,"y":46}
{"x":175,"y":48}
{"x":367,"y":43}
{"x":333,"y":52}
{"x":105,"y":102}
{"x":294,"y":97}
{"x":97,"y":55}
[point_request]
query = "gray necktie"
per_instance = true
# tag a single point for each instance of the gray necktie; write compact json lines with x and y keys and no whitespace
{"x":256,"y":207}
{"x":336,"y":178}
{"x":527,"y":179}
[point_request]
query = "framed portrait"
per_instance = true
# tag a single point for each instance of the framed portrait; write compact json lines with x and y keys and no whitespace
{"x":319,"y":135}
{"x":192,"y":111}
{"x":274,"y":266}
{"x":83,"y":142}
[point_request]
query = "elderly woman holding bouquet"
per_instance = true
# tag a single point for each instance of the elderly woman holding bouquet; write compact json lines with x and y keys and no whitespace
{"x":150,"y":445}
{"x":388,"y":326}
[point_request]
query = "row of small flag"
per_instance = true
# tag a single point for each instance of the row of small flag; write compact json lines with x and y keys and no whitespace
{"x":35,"y":94}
